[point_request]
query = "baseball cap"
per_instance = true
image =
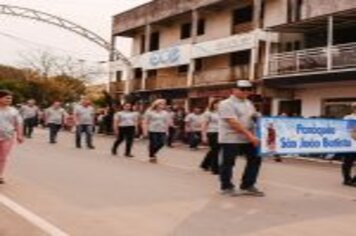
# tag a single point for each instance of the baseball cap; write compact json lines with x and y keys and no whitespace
{"x":244,"y":84}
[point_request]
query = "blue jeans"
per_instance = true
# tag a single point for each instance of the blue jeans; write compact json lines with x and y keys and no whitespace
{"x":156,"y":142}
{"x":88,"y":130}
{"x":53,"y":132}
{"x":229,"y":154}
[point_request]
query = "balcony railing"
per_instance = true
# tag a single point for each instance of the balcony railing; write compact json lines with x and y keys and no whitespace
{"x":322,"y":59}
{"x":243,"y":28}
{"x":166,"y":82}
{"x":117,"y":87}
{"x":221,"y":76}
{"x":136,"y":84}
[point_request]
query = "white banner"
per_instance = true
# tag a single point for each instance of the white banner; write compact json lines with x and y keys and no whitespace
{"x":169,"y":57}
{"x":226,"y":45}
{"x":306,"y":136}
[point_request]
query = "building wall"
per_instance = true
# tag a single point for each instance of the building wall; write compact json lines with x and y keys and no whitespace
{"x":313,"y":8}
{"x":312,"y":98}
{"x":275,"y":13}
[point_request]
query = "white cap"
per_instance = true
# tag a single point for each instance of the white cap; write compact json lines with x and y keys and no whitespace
{"x":243,"y":84}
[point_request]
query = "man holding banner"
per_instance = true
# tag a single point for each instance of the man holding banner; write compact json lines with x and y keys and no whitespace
{"x":349,"y":158}
{"x":237,"y":126}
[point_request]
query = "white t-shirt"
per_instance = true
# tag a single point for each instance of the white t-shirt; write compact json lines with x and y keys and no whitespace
{"x":194,"y":122}
{"x":84,"y":115}
{"x":158,"y":122}
{"x":126,"y":118}
{"x":213,"y":121}
{"x":55,"y":116}
{"x":243,"y":111}
{"x":28,"y":112}
{"x":9,"y":119}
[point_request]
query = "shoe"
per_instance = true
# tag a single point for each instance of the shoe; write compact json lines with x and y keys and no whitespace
{"x":2,"y":181}
{"x":228,"y":191}
{"x":91,"y":147}
{"x":153,"y":160}
{"x":349,"y":183}
{"x":78,"y":147}
{"x":252,"y":191}
{"x":129,"y":156}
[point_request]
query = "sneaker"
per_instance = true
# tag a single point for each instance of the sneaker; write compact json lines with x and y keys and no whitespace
{"x":91,"y":147}
{"x":228,"y":191}
{"x":252,"y":191}
{"x":350,"y":183}
{"x":153,"y":160}
{"x":2,"y":181}
{"x":129,"y":156}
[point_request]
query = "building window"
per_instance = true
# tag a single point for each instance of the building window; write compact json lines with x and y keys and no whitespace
{"x":186,"y":31}
{"x":243,"y":15}
{"x":154,"y":43}
{"x":298,"y":10}
{"x":289,"y":47}
{"x":198,"y":65}
{"x":151,"y":73}
{"x":118,"y":76}
{"x":138,"y":73}
{"x":297,"y":45}
{"x":201,"y":27}
{"x":182,"y":69}
{"x":240,"y":58}
{"x":143,"y":44}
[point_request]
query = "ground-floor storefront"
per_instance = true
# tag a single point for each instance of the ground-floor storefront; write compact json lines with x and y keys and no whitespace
{"x":332,"y":100}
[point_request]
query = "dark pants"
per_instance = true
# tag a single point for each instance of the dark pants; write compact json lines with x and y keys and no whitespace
{"x":127,"y":134}
{"x":348,"y":162}
{"x":156,"y":142}
{"x":29,"y":124}
{"x":171,"y":135}
{"x":194,"y":139}
{"x":211,"y":160}
{"x":88,"y":130}
{"x":53,"y":132}
{"x":229,"y":154}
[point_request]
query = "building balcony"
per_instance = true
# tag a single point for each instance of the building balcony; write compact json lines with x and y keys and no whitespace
{"x":243,"y":28}
{"x":136,"y":84}
{"x":313,"y":61}
{"x":117,"y":87}
{"x":165,"y":82}
{"x":221,"y":76}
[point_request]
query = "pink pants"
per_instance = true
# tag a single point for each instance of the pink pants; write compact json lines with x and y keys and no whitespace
{"x":5,"y":148}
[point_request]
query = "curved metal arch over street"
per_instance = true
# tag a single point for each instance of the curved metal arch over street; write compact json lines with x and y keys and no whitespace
{"x":65,"y":24}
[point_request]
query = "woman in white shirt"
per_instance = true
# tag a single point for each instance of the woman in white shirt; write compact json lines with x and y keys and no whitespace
{"x":210,"y":136}
{"x":10,"y":128}
{"x":155,"y":126}
{"x":125,"y":127}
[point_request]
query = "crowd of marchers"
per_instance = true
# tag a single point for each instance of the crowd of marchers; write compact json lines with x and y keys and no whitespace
{"x":227,"y":126}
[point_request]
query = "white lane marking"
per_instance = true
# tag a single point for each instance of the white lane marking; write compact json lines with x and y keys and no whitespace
{"x":31,"y":217}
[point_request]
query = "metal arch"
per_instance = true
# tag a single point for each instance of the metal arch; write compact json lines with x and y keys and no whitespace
{"x":66,"y":24}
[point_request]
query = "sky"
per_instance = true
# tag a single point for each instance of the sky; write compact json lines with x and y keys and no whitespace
{"x":19,"y":36}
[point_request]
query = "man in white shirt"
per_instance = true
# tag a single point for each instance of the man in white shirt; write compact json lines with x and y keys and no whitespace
{"x":54,"y":118}
{"x":237,"y":137}
{"x":29,"y":113}
{"x":84,"y":115}
{"x":349,"y":158}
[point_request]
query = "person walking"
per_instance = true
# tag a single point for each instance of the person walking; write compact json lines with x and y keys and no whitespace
{"x":125,"y":126}
{"x":84,"y":120}
{"x":29,"y":113}
{"x":237,"y":137}
{"x":194,"y":124}
{"x":10,"y":129}
{"x":155,"y":127}
{"x":54,"y":119}
{"x":349,"y":158}
{"x":210,"y":136}
{"x":172,"y":127}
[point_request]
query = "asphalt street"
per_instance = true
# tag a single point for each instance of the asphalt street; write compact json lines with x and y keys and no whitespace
{"x":91,"y":193}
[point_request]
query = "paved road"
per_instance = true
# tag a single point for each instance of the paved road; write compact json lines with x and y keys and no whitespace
{"x":91,"y":193}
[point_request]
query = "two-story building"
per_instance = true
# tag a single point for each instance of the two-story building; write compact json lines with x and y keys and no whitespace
{"x":312,"y":70}
{"x":189,"y":51}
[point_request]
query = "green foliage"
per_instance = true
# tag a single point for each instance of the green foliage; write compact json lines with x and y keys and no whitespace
{"x":27,"y":84}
